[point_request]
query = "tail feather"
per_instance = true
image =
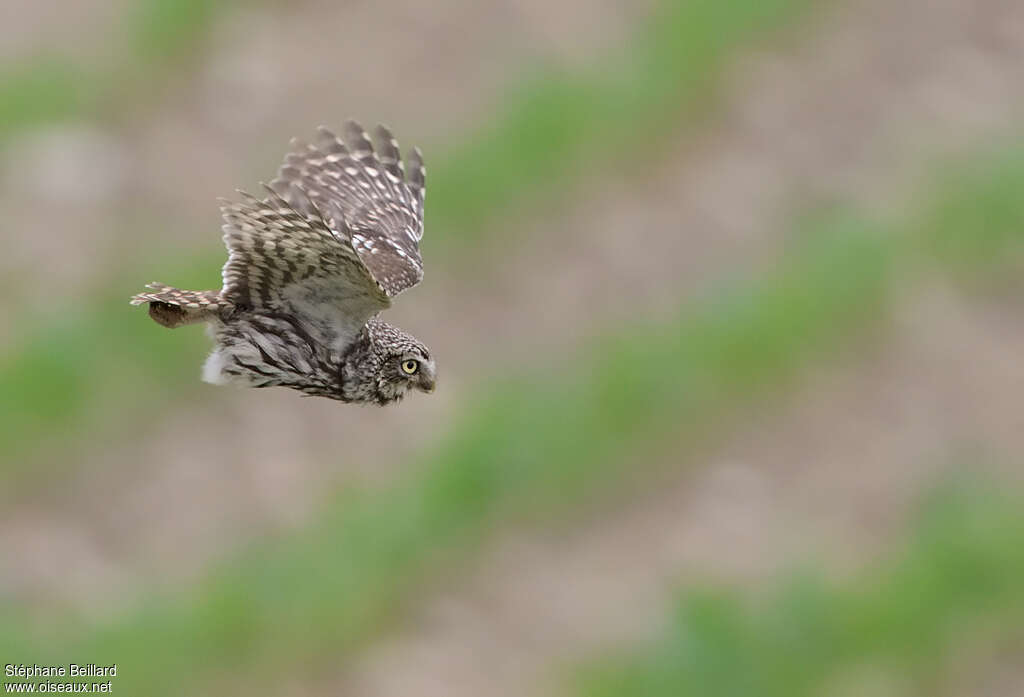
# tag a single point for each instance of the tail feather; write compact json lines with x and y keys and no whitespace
{"x":173,"y":307}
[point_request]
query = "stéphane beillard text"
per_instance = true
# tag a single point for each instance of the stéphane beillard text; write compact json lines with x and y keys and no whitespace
{"x":89,"y":670}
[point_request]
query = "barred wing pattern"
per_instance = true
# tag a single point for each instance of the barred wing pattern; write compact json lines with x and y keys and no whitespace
{"x":364,"y":195}
{"x":334,"y":240}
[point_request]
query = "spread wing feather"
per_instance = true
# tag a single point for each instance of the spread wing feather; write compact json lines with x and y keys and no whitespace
{"x":365,"y":196}
{"x":336,"y":237}
{"x":281,"y":260}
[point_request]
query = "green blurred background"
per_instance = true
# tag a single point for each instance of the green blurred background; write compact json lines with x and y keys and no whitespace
{"x":725,"y":297}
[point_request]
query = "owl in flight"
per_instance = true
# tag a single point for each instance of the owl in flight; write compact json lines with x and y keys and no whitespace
{"x":310,"y":267}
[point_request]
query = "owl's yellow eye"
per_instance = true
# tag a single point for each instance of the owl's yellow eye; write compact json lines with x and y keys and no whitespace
{"x":410,"y":366}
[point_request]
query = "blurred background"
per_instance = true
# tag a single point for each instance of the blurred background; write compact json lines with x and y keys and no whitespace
{"x":726,"y":303}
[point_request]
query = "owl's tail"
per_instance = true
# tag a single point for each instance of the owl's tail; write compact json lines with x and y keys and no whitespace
{"x":173,"y":307}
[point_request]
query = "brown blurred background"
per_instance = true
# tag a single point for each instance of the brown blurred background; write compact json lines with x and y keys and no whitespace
{"x":723,"y":295}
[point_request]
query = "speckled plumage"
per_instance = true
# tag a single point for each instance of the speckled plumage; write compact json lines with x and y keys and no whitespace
{"x":310,"y":266}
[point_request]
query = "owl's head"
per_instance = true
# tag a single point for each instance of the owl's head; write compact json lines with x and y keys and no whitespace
{"x":386,"y":364}
{"x":410,"y":368}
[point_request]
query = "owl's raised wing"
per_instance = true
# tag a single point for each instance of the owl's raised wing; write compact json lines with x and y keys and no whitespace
{"x":335,"y":239}
{"x":366,"y":196}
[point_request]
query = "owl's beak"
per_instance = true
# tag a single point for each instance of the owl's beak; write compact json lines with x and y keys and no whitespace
{"x":428,"y":380}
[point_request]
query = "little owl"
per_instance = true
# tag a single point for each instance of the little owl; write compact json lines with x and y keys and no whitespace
{"x":310,"y":266}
